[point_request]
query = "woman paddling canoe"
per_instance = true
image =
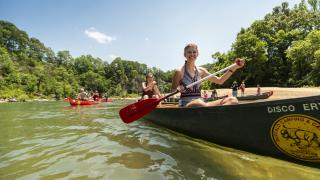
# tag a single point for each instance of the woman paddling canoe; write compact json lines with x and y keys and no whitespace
{"x":190,"y":73}
{"x":190,"y":95}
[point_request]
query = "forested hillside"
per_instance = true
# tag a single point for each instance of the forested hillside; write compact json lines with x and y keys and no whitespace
{"x":28,"y":68}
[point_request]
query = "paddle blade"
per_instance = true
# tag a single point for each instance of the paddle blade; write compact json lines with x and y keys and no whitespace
{"x":137,"y":110}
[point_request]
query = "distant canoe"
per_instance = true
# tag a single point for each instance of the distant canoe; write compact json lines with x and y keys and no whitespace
{"x":255,"y":97}
{"x":80,"y":102}
{"x":100,"y":100}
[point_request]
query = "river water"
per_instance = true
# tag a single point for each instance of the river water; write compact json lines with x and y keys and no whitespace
{"x":51,"y":140}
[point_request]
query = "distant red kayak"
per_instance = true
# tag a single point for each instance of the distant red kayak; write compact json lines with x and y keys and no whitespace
{"x":79,"y":102}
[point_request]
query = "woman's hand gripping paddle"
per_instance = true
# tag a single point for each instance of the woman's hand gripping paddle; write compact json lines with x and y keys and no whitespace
{"x":141,"y":108}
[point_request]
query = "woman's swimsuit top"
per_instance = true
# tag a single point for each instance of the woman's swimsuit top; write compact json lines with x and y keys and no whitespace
{"x":193,"y":92}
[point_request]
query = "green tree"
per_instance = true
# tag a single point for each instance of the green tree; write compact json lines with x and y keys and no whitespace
{"x":13,"y":39}
{"x":250,"y":47}
{"x":305,"y":57}
{"x":6,"y":65}
{"x":64,"y":58}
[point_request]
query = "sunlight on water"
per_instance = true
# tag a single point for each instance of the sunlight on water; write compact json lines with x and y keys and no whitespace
{"x":53,"y":140}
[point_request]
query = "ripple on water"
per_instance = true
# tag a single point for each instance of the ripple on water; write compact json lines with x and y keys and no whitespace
{"x":47,"y":115}
{"x":93,"y":142}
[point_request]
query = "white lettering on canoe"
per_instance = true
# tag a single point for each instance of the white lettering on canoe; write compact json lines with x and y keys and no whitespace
{"x":279,"y":109}
{"x":311,"y":106}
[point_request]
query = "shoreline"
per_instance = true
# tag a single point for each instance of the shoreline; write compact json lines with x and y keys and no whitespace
{"x":41,"y":100}
{"x":31,"y":100}
{"x":278,"y":93}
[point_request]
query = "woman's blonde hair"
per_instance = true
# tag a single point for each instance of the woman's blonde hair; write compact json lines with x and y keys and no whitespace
{"x":188,"y":46}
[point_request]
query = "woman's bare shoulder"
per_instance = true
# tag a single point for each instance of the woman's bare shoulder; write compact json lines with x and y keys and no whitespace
{"x":178,"y":71}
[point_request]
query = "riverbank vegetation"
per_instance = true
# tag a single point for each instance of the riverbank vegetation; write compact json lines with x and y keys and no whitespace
{"x":283,"y":49}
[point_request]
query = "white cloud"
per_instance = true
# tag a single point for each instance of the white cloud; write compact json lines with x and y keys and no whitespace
{"x":146,"y":39}
{"x":98,"y":36}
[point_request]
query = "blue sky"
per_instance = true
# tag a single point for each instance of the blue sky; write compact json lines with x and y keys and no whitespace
{"x":150,"y":32}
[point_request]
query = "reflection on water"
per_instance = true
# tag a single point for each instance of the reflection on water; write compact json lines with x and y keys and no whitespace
{"x":53,"y":140}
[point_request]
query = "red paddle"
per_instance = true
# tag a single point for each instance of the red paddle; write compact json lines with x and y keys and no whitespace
{"x":141,"y":108}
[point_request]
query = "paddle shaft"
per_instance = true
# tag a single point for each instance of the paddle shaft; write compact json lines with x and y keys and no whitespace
{"x":211,"y":75}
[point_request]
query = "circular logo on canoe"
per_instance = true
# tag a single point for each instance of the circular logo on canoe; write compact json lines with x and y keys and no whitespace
{"x":298,"y":136}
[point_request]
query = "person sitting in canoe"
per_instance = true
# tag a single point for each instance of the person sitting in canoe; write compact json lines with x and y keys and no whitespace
{"x":190,"y":73}
{"x":83,"y":96}
{"x":96,"y":96}
{"x":150,"y":88}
